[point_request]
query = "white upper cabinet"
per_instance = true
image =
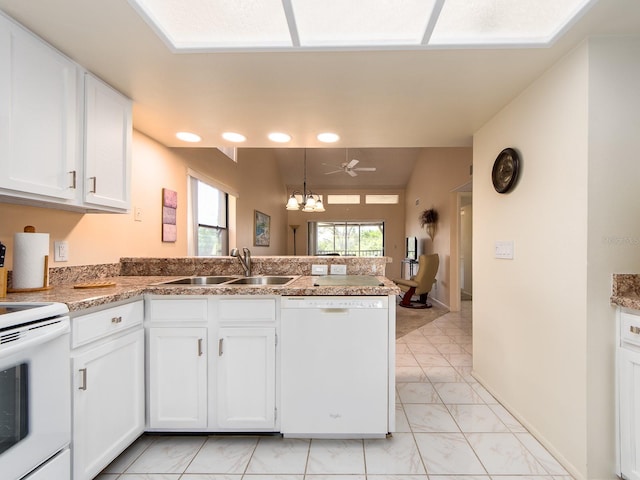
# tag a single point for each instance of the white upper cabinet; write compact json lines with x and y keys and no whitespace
{"x":107,"y":146}
{"x":43,"y":130}
{"x":39,"y":117}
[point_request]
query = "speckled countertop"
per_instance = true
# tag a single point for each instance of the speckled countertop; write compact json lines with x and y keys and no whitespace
{"x":625,"y":290}
{"x":134,"y":286}
{"x":134,"y":277}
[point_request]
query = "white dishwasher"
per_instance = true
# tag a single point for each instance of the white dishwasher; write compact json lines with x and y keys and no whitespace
{"x":335,"y":367}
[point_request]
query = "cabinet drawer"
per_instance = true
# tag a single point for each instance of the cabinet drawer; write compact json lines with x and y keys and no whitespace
{"x":90,"y":327}
{"x":183,"y":309}
{"x":243,"y":310}
{"x":630,"y":328}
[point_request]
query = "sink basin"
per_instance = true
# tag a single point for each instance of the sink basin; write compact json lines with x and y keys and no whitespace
{"x":213,"y":280}
{"x":263,"y":280}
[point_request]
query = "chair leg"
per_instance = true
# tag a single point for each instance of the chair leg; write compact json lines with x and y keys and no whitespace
{"x":407,"y":303}
{"x":406,"y":299}
{"x":423,"y":300}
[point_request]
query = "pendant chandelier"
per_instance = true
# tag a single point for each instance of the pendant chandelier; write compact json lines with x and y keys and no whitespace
{"x":311,"y":202}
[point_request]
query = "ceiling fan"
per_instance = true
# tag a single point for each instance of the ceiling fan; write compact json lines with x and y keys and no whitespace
{"x":349,"y":167}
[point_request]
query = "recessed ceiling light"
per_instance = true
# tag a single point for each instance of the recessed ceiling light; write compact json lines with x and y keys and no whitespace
{"x":188,"y":137}
{"x":328,"y":137}
{"x":279,"y":137}
{"x":234,"y":137}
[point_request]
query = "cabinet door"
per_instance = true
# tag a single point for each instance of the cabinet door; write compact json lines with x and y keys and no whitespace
{"x":246,"y":377}
{"x":177,"y":378}
{"x":39,"y":127}
{"x":108,"y":402}
{"x":107,"y":146}
{"x":629,"y":384}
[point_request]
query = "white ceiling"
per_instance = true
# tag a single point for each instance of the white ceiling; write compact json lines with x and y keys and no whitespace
{"x":389,"y":98}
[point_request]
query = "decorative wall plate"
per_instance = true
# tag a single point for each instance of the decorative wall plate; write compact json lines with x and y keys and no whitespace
{"x":505,"y":170}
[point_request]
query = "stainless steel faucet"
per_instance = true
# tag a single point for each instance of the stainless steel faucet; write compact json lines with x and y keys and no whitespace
{"x":245,"y":262}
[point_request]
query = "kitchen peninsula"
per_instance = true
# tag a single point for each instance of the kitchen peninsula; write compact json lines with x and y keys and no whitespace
{"x":301,"y":358}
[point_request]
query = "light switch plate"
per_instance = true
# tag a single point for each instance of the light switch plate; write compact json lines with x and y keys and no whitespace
{"x":319,"y":269}
{"x":338,"y":269}
{"x":504,"y":249}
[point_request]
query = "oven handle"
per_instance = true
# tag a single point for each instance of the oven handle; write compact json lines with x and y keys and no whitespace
{"x":44,"y":335}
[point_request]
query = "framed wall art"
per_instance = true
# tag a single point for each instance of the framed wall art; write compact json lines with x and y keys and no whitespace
{"x":262,"y":229}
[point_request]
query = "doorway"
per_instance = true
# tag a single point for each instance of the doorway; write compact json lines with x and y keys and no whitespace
{"x":461,"y":241}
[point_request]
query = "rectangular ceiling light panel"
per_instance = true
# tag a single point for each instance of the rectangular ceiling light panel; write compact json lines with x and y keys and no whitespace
{"x":504,"y":22}
{"x":217,"y":25}
{"x":354,"y":22}
{"x":211,"y":24}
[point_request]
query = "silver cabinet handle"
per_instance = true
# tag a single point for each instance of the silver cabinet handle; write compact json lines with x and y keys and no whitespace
{"x":95,"y":181}
{"x":116,"y":320}
{"x":199,"y":347}
{"x":83,"y":373}
{"x":220,"y":350}
{"x":73,"y":179}
{"x":634,"y":329}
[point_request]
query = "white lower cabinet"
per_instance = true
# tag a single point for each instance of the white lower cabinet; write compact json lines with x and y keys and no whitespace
{"x":177,"y":378}
{"x":246,"y":378}
{"x":108,"y":386}
{"x":211,"y":363}
{"x":628,"y":412}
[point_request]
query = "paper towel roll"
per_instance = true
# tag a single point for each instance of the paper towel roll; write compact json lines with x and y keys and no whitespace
{"x":29,"y":250}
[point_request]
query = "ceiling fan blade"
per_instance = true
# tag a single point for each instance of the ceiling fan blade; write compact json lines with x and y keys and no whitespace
{"x":352,"y":173}
{"x":352,"y":164}
{"x":365,"y":169}
{"x":334,"y":171}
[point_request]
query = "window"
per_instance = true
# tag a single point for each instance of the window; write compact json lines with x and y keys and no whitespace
{"x":343,"y":199}
{"x":361,"y":239}
{"x":377,"y":199}
{"x":210,"y":212}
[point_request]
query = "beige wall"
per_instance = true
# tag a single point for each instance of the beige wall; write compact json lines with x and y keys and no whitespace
{"x":437,"y":173}
{"x":392,"y":215}
{"x":543,"y":325}
{"x":529,"y":313}
{"x":613,"y":225}
{"x":104,"y":238}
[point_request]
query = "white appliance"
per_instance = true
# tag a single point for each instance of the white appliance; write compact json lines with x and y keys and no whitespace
{"x":35,"y":395}
{"x":335,"y":362}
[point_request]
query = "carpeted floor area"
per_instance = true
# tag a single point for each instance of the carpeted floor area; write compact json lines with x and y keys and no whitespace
{"x":409,"y":319}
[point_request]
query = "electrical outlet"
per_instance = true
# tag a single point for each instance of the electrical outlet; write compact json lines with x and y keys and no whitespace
{"x":338,"y":269}
{"x":61,"y":251}
{"x":319,"y":269}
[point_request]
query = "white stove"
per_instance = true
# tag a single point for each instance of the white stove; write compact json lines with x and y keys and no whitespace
{"x":35,"y":395}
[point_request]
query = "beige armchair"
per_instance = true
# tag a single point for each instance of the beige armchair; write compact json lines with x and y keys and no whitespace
{"x":421,"y":283}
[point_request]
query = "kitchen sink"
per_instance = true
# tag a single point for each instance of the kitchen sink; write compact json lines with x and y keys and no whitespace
{"x":212,"y":280}
{"x":262,"y":280}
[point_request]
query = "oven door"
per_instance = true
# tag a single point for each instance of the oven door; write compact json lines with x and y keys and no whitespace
{"x":35,"y":396}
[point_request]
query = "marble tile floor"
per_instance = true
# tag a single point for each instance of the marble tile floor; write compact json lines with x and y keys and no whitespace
{"x":448,"y":428}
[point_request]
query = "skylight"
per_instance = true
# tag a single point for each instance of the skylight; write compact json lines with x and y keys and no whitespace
{"x":273,"y":25}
